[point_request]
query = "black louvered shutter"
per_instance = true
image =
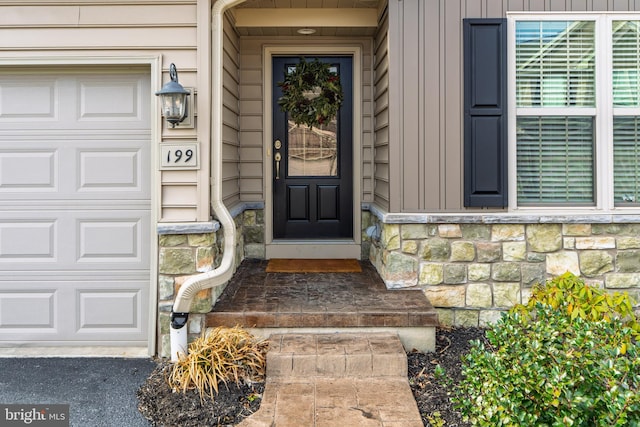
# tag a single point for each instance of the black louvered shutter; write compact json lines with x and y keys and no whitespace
{"x":485,"y":113}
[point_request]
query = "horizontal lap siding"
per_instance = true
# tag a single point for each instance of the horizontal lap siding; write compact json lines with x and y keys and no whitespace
{"x":251,"y":123}
{"x":252,"y":109}
{"x":419,"y":145}
{"x":381,"y":114}
{"x":368,"y":120}
{"x":98,"y":28}
{"x":231,"y":116}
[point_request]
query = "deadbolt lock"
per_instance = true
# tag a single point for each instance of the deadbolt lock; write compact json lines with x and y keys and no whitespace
{"x":277,"y":145}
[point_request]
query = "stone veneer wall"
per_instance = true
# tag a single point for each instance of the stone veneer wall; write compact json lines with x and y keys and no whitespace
{"x":183,"y":254}
{"x":471,"y":272}
{"x":253,"y":233}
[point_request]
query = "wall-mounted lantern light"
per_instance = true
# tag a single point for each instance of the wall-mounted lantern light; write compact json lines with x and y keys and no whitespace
{"x":173,"y":98}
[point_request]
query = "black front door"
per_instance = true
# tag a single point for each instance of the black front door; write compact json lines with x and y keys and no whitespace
{"x":312,"y":167}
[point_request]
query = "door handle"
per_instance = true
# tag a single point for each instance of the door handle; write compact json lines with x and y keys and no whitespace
{"x":277,"y":158}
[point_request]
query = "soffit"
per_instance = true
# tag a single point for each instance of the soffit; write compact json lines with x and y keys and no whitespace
{"x":332,"y":18}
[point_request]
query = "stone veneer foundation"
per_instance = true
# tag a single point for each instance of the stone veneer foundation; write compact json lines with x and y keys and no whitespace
{"x":474,"y":268}
{"x":186,"y":250}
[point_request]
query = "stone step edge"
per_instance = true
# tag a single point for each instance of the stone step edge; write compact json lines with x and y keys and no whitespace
{"x":336,"y":355}
{"x":328,"y":319}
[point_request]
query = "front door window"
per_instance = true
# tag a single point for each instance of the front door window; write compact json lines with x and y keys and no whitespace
{"x":313,"y":151}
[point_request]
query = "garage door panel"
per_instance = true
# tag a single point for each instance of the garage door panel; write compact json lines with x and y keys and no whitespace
{"x":114,"y":239}
{"x":79,"y":169}
{"x":110,"y":170}
{"x":32,"y":241}
{"x":80,"y":240}
{"x":28,"y":310}
{"x":110,"y":241}
{"x":79,"y":102}
{"x":74,"y":311}
{"x":25,"y":99}
{"x":109,"y":310}
{"x":96,"y":308}
{"x":30,"y":171}
{"x":118,"y":99}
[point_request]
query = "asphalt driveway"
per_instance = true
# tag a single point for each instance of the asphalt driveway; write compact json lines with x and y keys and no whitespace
{"x":99,"y":391}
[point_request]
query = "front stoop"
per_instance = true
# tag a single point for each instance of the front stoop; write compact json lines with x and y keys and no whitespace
{"x":277,"y":303}
{"x":340,"y":379}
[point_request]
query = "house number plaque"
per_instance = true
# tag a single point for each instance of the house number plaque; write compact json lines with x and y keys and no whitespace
{"x":182,"y":156}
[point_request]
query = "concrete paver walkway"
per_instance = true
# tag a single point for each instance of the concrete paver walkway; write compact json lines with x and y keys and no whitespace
{"x":331,"y":380}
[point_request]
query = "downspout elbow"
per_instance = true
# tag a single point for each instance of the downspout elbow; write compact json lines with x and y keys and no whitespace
{"x":178,"y":331}
{"x":215,"y":277}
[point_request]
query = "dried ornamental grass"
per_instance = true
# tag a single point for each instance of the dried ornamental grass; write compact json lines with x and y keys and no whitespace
{"x":222,"y":355}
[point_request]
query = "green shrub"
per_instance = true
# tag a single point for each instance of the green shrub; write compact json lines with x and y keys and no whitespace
{"x":222,"y":355}
{"x":572,"y":295}
{"x":552,"y":371}
{"x":569,"y":357}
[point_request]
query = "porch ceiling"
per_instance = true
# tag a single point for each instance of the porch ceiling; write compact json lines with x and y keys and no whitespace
{"x":333,"y":18}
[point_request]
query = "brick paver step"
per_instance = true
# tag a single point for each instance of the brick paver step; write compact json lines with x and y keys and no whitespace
{"x":336,"y":355}
{"x":336,"y":379}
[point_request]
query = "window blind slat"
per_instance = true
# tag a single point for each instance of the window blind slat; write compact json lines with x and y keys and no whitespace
{"x":555,"y":63}
{"x":626,"y":159}
{"x":555,"y":160}
{"x":626,"y":96}
{"x":626,"y":63}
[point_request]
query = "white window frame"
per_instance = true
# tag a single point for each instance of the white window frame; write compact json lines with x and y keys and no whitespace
{"x":603,"y":125}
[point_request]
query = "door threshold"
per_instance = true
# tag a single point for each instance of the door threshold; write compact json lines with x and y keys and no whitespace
{"x":313,"y":249}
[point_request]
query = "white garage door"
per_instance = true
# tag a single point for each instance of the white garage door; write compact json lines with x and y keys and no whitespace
{"x":74,"y":208}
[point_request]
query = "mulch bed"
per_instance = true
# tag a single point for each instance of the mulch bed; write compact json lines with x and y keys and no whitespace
{"x":430,"y":392}
{"x":163,"y":407}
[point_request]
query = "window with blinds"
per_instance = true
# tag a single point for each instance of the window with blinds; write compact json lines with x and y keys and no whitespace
{"x":555,"y":63}
{"x":555,"y":99}
{"x":626,"y":159}
{"x":626,"y":120}
{"x":555,"y":160}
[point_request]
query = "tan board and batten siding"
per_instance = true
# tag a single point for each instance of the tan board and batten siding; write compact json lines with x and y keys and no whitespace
{"x":422,"y":169}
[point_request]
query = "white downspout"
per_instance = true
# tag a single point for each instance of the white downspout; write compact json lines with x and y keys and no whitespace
{"x":221,"y":274}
